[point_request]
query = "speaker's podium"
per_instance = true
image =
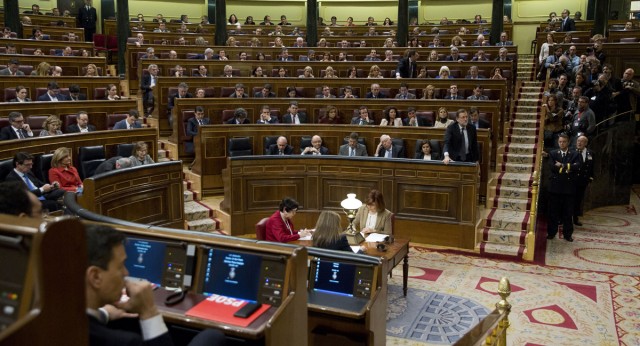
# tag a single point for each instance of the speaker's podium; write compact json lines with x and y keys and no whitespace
{"x":42,"y":289}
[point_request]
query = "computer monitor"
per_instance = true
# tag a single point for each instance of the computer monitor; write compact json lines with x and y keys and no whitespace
{"x":232,"y":274}
{"x":160,"y":262}
{"x":334,"y":277}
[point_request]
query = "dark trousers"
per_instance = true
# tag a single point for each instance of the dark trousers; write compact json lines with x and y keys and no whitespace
{"x":88,"y":34}
{"x":577,"y":207}
{"x":148,"y":102}
{"x":560,"y":211}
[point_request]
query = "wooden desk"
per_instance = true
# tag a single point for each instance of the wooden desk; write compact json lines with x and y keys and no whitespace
{"x":397,"y":252}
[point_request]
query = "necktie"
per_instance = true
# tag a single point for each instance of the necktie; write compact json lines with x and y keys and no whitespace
{"x":466,"y":141}
{"x":20,"y":135}
{"x":30,"y":185}
{"x":295,"y":118}
{"x":564,"y":155}
{"x":281,"y":153}
{"x":584,"y":155}
{"x":361,"y":122}
{"x":200,"y":122}
{"x":352,"y":152}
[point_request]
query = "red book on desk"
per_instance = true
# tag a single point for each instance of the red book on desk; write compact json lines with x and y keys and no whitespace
{"x":221,"y":309}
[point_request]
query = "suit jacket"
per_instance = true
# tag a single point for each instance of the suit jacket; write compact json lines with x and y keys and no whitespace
{"x":410,"y":96}
{"x":74,"y":128}
{"x":45,"y":97}
{"x":482,"y":124}
{"x":6,"y":72}
{"x":145,"y":84}
{"x":107,"y":166}
{"x":451,"y":58}
{"x":434,"y":156}
{"x":563,"y":178}
{"x":302,"y":116}
{"x":568,"y":25}
{"x":202,"y":56}
{"x":277,"y":230}
{"x":404,"y":68}
{"x":16,"y":100}
{"x":87,"y":18}
{"x":383,"y":222}
{"x":172,"y":100}
{"x":505,"y":43}
{"x":584,"y":173}
{"x":122,"y":125}
{"x":272,"y":120}
{"x":421,"y":121}
{"x":356,"y":121}
{"x":260,"y":95}
{"x":361,"y":150}
{"x":51,"y":195}
{"x":479,"y":77}
{"x":81,"y":97}
{"x":234,"y":96}
{"x":232,"y":121}
{"x":457,"y":97}
{"x":478,"y":98}
{"x":273,"y":150}
{"x":454,"y":143}
{"x":381,"y":95}
{"x":101,"y":335}
{"x":323,"y":151}
{"x":321,"y":96}
{"x":396,"y":152}
{"x":7,"y":132}
{"x":192,"y":125}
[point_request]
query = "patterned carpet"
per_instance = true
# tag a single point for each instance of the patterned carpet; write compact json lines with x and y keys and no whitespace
{"x":588,"y":293}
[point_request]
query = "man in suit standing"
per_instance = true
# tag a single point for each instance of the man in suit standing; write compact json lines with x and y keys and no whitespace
{"x":461,"y":140}
{"x":363,"y":118}
{"x":294,"y":117}
{"x":407,"y":67}
{"x":562,"y":188}
{"x":17,"y":130}
{"x":53,"y":93}
{"x":148,"y":83}
{"x":353,"y":148}
{"x":87,"y":17}
{"x":387,"y":150}
{"x":476,"y":121}
{"x":281,"y":147}
{"x":239,"y":117}
{"x":584,"y":120}
{"x":82,"y":124}
{"x":48,"y":194}
{"x":584,"y":176}
{"x":12,"y":68}
{"x":265,"y":92}
{"x":316,"y":147}
{"x":413,"y":120}
{"x":567,"y":23}
{"x":131,"y":122}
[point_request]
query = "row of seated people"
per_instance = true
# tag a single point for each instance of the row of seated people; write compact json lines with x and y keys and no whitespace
{"x":73,"y":93}
{"x":19,"y":126}
{"x":44,"y":69}
{"x":65,"y":51}
{"x":478,"y":93}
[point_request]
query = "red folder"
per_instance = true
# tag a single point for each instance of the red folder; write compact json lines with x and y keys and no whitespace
{"x":219,"y":308}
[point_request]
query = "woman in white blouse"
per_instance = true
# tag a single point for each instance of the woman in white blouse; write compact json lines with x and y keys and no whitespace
{"x":443,"y":120}
{"x":391,"y":117}
{"x":544,"y":49}
{"x":373,"y":217}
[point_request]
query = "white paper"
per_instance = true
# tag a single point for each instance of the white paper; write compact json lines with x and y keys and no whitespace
{"x":376,"y":237}
{"x":306,"y":238}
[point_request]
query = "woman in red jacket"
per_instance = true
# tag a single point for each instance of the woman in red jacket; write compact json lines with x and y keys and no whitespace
{"x":279,"y":227}
{"x":63,"y":172}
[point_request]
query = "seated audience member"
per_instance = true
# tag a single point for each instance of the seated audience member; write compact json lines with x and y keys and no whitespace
{"x":279,"y":226}
{"x":386,"y":149}
{"x":480,"y":56}
{"x":353,"y":148}
{"x":291,"y":92}
{"x":372,"y":56}
{"x":329,"y":72}
{"x":198,"y":120}
{"x":502,"y":55}
{"x":284,"y":55}
{"x":200,"y":93}
{"x":183,"y":93}
{"x":375,"y":92}
{"x":373,"y":217}
{"x":444,"y":73}
{"x":82,"y":124}
{"x":328,"y":232}
{"x":453,"y":93}
{"x":48,"y":194}
{"x":316,"y":147}
{"x":460,"y":140}
{"x":281,"y":147}
{"x":307,"y":73}
{"x":266,"y":117}
{"x":331,"y":116}
{"x":454,"y":56}
{"x":179,"y":71}
{"x":42,"y":70}
{"x":202,"y":72}
{"x":56,"y":71}
{"x":476,"y":121}
{"x":391,"y":117}
{"x":504,"y":40}
{"x":353,"y":72}
{"x":258,"y":72}
{"x":75,"y":94}
{"x":131,"y":122}
{"x":63,"y":171}
{"x":92,"y":71}
{"x":294,"y":117}
{"x":326,"y":93}
{"x":413,"y":119}
{"x":265,"y":92}
{"x":443,"y":120}
{"x":227,"y":71}
{"x":150,"y":53}
{"x":53,"y":93}
{"x":426,"y":153}
{"x":404,"y":93}
{"x":105,"y":282}
{"x":374,"y":72}
{"x":21,"y":95}
{"x":473,"y":73}
{"x":17,"y":128}
{"x":239,"y":92}
{"x":496,"y":73}
{"x":140,"y":156}
{"x":363,"y":118}
{"x":51,"y":126}
{"x":477,"y":94}
{"x":112,"y":93}
{"x":348,"y":93}
{"x":239,"y":117}
{"x":16,"y":200}
{"x":429,"y":93}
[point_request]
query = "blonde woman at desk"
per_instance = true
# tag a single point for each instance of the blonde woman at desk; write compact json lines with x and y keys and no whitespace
{"x":373,"y":217}
{"x":328,"y":233}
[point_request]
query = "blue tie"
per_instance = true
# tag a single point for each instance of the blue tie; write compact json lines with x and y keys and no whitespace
{"x":30,"y":185}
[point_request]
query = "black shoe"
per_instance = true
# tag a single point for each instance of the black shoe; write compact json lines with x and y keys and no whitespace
{"x":551,"y":236}
{"x":569,"y":240}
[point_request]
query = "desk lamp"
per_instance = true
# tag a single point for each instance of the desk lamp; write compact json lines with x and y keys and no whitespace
{"x":350,"y":207}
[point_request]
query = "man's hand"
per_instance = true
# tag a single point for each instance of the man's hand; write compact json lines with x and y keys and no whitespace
{"x":558,"y":164}
{"x":447,"y":160}
{"x":115,"y":313}
{"x":46,"y":188}
{"x":140,"y":299}
{"x":26,"y":127}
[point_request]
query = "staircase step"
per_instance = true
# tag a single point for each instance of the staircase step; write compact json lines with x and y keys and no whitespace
{"x":498,"y":236}
{"x":520,"y":139}
{"x":188,"y":196}
{"x":505,"y":203}
{"x":526,"y":149}
{"x":511,"y":179}
{"x":514,"y":158}
{"x":511,"y":192}
{"x":202,"y":225}
{"x":527,"y":123}
{"x":195,"y":211}
{"x":506,"y":250}
{"x":508,"y":220}
{"x":517,"y":167}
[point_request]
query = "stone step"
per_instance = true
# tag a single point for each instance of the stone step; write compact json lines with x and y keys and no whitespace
{"x":188,"y":196}
{"x":511,"y":167}
{"x":503,"y":250}
{"x":203,"y":225}
{"x":514,"y":158}
{"x":498,"y":236}
{"x":510,"y":192}
{"x":195,"y":211}
{"x":508,"y":220}
{"x":519,"y":139}
{"x":506,"y":203}
{"x":527,"y":149}
{"x":528,"y":123}
{"x":522,"y":180}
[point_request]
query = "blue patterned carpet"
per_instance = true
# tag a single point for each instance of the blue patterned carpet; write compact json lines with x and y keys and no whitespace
{"x":431,"y":317}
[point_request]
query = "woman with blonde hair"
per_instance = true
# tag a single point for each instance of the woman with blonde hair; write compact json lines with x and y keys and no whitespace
{"x":329,"y":72}
{"x":456,"y":41}
{"x":278,"y":42}
{"x":444,"y":73}
{"x":63,"y":172}
{"x":92,"y":71}
{"x":388,"y":43}
{"x":231,"y":42}
{"x":433,"y":55}
{"x":328,"y":232}
{"x":322,"y":43}
{"x":443,"y":121}
{"x":429,"y":92}
{"x":140,"y":156}
{"x":307,"y":73}
{"x":43,"y":70}
{"x":51,"y":126}
{"x":374,"y":72}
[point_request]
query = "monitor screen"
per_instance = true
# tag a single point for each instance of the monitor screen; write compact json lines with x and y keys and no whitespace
{"x":334,"y":277}
{"x":232,"y":274}
{"x":145,"y":259}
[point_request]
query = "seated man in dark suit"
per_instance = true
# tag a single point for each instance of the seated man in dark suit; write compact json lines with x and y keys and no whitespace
{"x":266,"y":117}
{"x":48,"y":194}
{"x":17,"y":130}
{"x":413,"y":120}
{"x":353,"y":148}
{"x":239,"y":117}
{"x":363,"y":118}
{"x":116,"y":162}
{"x":455,"y":55}
{"x":453,"y":93}
{"x":82,"y":124}
{"x":326,"y":93}
{"x":131,"y":122}
{"x":16,"y":200}
{"x":105,"y":281}
{"x":294,"y":117}
{"x":12,"y":68}
{"x":53,"y":93}
{"x":75,"y":94}
{"x":504,"y":40}
{"x":183,"y":93}
{"x":375,"y":92}
{"x":476,"y":121}
{"x":281,"y":147}
{"x":239,"y":92}
{"x":473,"y":73}
{"x":477,"y":94}
{"x":198,"y":120}
{"x":316,"y":147}
{"x":461,"y":140}
{"x":387,"y":150}
{"x":266,"y":92}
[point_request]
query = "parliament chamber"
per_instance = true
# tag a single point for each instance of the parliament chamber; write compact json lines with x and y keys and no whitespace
{"x":441,"y":205}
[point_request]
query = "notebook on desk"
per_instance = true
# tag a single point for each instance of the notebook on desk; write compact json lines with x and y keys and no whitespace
{"x":219,"y":308}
